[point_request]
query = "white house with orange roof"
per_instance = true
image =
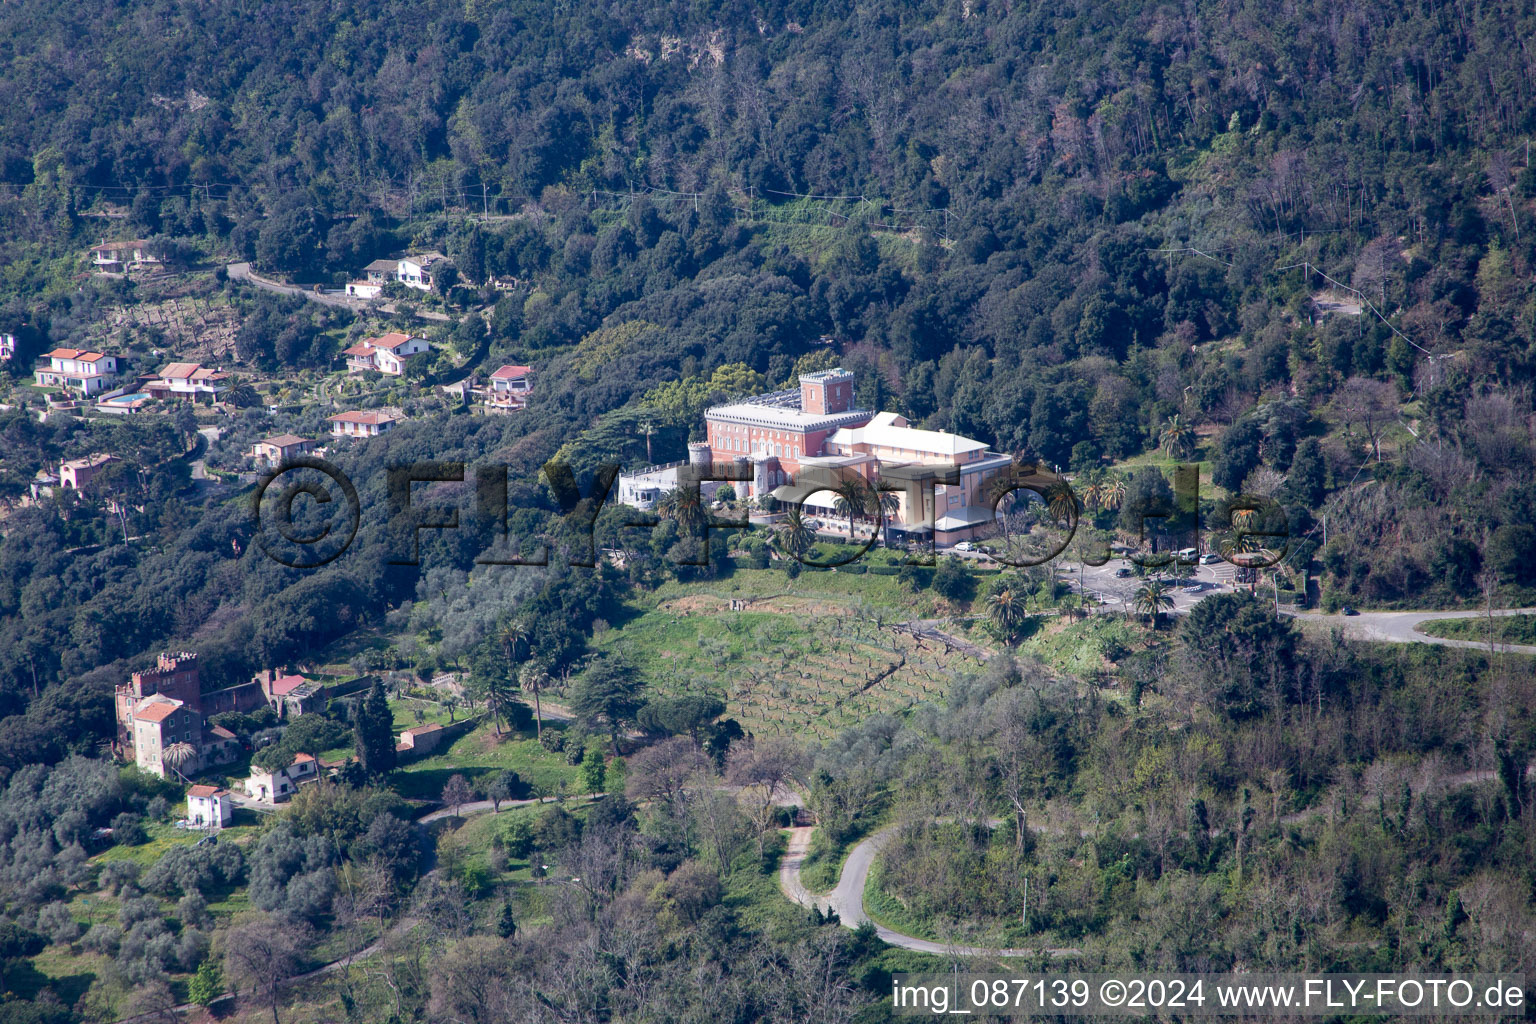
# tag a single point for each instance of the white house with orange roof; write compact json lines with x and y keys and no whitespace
{"x":209,"y":807}
{"x":273,"y":450}
{"x":187,"y":380}
{"x":276,"y":786}
{"x":363,"y":423}
{"x":388,"y":353}
{"x":79,"y":370}
{"x":509,"y":389}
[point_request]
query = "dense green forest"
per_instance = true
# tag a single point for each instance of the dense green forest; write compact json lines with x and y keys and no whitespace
{"x":1295,"y":245}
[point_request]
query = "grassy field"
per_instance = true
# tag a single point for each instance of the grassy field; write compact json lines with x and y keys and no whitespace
{"x":812,"y":660}
{"x":1505,"y":629}
{"x":482,"y":753}
{"x":1085,"y":648}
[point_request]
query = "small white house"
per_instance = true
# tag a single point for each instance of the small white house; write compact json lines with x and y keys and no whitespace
{"x":277,"y":786}
{"x":416,"y":271}
{"x":509,"y":389}
{"x":209,"y":807}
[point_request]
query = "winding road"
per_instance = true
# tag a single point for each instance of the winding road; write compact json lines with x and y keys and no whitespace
{"x":1402,"y":627}
{"x":847,"y":898}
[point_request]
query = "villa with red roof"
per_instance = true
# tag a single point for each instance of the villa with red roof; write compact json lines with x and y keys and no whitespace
{"x":78,"y":370}
{"x":363,"y":423}
{"x":272,"y":451}
{"x":509,"y":389}
{"x":187,"y":380}
{"x":388,"y":353}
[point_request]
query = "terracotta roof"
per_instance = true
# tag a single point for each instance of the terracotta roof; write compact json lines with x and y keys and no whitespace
{"x":301,"y":758}
{"x":383,"y":265}
{"x":421,"y":730}
{"x":90,"y":357}
{"x":286,"y":684}
{"x":372,"y":416}
{"x":362,"y":348}
{"x":62,"y":353}
{"x":206,"y":791}
{"x":284,"y":440}
{"x":511,"y":372}
{"x":179,"y":370}
{"x":222,"y":733}
{"x":157,"y":710}
{"x":390,"y":341}
{"x":89,"y":462}
{"x":202,"y":374}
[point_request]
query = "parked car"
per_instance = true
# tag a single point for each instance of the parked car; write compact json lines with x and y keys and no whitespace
{"x":1122,"y":572}
{"x":965,"y":545}
{"x":1209,"y":558}
{"x":1347,"y":610}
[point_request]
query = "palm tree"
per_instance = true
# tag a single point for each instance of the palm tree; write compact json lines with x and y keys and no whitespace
{"x":1061,"y":502}
{"x":1093,"y":496}
{"x":533,"y":678}
{"x":793,"y":535}
{"x":177,"y":756}
{"x":854,"y":499}
{"x":1177,"y":437}
{"x":1153,"y":599}
{"x":685,"y":506}
{"x":241,"y":393}
{"x":512,"y":636}
{"x":889,"y":503}
{"x":1006,"y":607}
{"x":1112,"y":494}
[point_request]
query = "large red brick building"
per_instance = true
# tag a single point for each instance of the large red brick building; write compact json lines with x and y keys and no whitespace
{"x":776,"y":431}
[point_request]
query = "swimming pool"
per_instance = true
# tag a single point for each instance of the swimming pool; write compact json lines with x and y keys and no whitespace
{"x":127,"y":400}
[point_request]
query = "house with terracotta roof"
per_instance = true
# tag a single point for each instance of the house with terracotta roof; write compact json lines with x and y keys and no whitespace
{"x":80,"y":370}
{"x":362,"y":423}
{"x":290,"y":695}
{"x":191,"y":381}
{"x":77,"y":474}
{"x":160,"y":722}
{"x":509,"y":389}
{"x":120,"y":256}
{"x":272,"y":451}
{"x":276,"y":786}
{"x":388,"y":353}
{"x":209,"y":807}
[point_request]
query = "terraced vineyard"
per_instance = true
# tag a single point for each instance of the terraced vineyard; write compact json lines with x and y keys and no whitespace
{"x":788,"y":664}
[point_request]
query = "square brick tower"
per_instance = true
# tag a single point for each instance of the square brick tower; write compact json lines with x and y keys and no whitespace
{"x":830,"y":391}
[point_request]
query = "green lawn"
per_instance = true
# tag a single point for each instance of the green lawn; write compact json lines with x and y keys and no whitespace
{"x":482,"y":753}
{"x":163,"y":835}
{"x":1504,"y":629}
